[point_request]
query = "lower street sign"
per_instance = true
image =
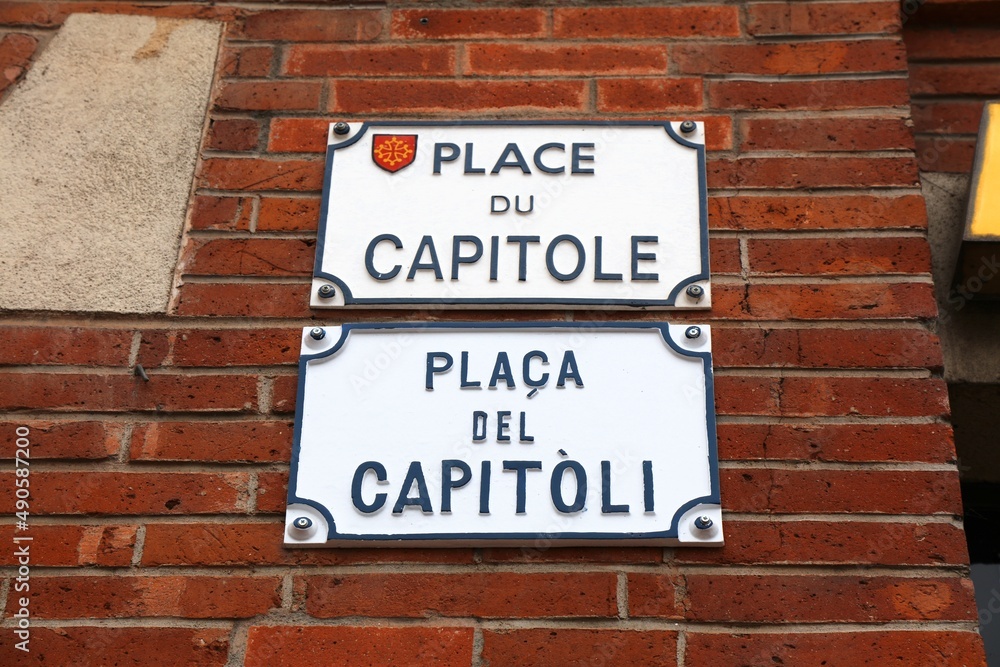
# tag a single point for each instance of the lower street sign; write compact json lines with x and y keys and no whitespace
{"x":504,"y":434}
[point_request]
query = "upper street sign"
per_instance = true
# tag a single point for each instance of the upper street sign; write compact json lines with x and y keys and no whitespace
{"x":514,"y":214}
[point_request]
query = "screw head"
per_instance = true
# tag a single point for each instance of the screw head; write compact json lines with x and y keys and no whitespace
{"x":692,"y":332}
{"x":688,"y":126}
{"x":341,"y":128}
{"x":695,"y":291}
{"x":302,"y":523}
{"x":703,"y":523}
{"x":317,"y":333}
{"x":326,"y":292}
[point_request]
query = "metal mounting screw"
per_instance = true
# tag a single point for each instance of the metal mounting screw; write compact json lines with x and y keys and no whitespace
{"x":326,"y":292}
{"x":695,"y":291}
{"x":688,"y":126}
{"x":703,"y":523}
{"x":692,"y":332}
{"x":302,"y":523}
{"x":424,"y":21}
{"x":341,"y":128}
{"x":317,"y":333}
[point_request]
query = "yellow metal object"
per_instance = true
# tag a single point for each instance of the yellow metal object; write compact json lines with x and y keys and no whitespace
{"x":978,"y":272}
{"x":984,"y":214}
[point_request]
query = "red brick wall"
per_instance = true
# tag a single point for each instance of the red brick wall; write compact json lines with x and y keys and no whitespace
{"x":954,"y":53}
{"x":159,"y":505}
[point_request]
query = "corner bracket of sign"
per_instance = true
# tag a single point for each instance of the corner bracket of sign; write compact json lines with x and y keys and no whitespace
{"x":328,"y":291}
{"x":307,"y":523}
{"x":343,"y":134}
{"x":687,"y":133}
{"x":701,"y":525}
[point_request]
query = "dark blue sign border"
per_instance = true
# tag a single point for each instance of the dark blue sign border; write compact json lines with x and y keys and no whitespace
{"x":671,"y":533}
{"x":350,"y":299}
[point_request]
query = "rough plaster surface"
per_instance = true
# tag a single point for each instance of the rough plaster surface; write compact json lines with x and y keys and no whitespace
{"x":968,"y":329}
{"x":98,"y":148}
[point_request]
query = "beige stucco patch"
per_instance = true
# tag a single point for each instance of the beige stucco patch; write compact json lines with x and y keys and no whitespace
{"x":97,"y":154}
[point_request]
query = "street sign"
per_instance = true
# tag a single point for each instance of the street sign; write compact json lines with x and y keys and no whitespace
{"x":513,"y":214}
{"x":504,"y":434}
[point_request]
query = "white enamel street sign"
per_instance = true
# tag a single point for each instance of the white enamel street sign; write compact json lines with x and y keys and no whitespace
{"x":514,"y":214}
{"x":504,"y":434}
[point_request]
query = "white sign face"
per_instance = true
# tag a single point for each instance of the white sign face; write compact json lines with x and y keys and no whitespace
{"x":505,"y":434}
{"x":514,"y":214}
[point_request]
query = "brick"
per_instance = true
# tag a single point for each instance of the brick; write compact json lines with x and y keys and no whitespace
{"x":250,"y":257}
{"x":229,"y":544}
{"x":283,"y":394}
{"x":64,"y":439}
{"x":822,"y":18}
{"x":845,"y":300}
{"x":468,"y":23}
{"x":129,"y":493}
{"x":253,"y":174}
{"x":123,"y":393}
{"x":841,"y":491}
{"x":809,"y":396}
{"x":948,"y":117}
{"x":131,"y":647}
{"x":812,"y":172}
{"x":543,"y":551}
{"x":582,"y":59}
{"x":369,"y":60}
{"x":817,"y":301}
{"x":648,"y":95}
{"x":725,"y":255}
{"x":286,"y":214}
{"x":817,"y":598}
{"x":319,"y":646}
{"x":244,"y":300}
{"x":833,"y":543}
{"x":928,"y":443}
{"x":563,"y":646}
{"x":952,"y":43}
{"x":826,"y":57}
{"x":946,"y":153}
{"x":212,"y":441}
{"x":364,"y":96}
{"x":153,"y":348}
{"x":152,"y":596}
{"x":246,"y":61}
{"x":978,"y":78}
{"x":233,"y":134}
{"x":269,"y":96}
{"x":826,"y":134}
{"x":236,"y":347}
{"x":38,"y":345}
{"x":222,"y":213}
{"x":272,"y":492}
{"x":16,"y":51}
{"x":825,"y":348}
{"x":298,"y":135}
{"x":68,"y":546}
{"x":959,"y":13}
{"x":718,"y":132}
{"x":480,"y":594}
{"x":919,"y":648}
{"x":817,"y":213}
{"x":845,"y":256}
{"x":333,"y":25}
{"x":647,"y":22}
{"x":825,"y":94}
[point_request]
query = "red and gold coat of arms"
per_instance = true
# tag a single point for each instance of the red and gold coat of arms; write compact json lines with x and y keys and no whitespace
{"x":392,"y":152}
